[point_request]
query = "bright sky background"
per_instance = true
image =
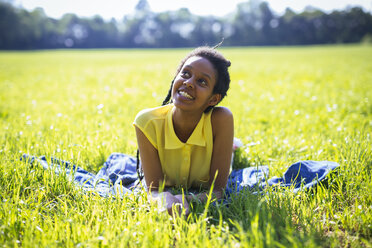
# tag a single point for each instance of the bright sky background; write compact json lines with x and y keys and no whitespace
{"x":118,"y":8}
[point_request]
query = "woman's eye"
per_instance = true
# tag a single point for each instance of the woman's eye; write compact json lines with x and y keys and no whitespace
{"x":202,"y":82}
{"x":185,"y":74}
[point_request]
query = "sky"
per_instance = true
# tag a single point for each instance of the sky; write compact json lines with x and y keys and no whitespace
{"x":118,"y":8}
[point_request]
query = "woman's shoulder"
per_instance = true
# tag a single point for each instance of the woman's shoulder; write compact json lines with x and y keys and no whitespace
{"x":221,"y":118}
{"x":146,"y":115}
{"x":220,"y":113}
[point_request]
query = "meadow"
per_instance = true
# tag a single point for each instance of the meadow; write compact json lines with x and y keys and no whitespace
{"x":289,"y":104}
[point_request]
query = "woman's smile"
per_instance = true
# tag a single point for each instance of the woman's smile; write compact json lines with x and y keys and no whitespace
{"x":185,"y":94}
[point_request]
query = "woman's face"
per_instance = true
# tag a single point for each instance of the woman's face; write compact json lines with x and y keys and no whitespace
{"x":194,"y":84}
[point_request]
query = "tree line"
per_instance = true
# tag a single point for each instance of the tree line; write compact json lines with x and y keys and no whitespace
{"x":253,"y":23}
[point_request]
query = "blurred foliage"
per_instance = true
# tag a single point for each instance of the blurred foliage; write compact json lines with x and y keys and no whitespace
{"x":252,"y":23}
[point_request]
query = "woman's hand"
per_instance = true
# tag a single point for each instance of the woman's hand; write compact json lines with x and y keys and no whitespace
{"x":166,"y":200}
{"x":185,"y":204}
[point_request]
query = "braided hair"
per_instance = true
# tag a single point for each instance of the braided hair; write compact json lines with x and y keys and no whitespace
{"x":220,"y":64}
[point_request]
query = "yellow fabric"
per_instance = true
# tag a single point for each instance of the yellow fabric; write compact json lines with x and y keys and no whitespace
{"x":183,"y":164}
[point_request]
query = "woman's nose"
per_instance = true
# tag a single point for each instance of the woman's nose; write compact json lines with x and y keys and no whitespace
{"x":189,"y":83}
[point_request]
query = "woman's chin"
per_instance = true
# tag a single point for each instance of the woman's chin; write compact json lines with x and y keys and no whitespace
{"x":182,"y":101}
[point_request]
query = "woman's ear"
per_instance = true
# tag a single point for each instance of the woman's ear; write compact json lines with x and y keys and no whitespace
{"x":215,"y":99}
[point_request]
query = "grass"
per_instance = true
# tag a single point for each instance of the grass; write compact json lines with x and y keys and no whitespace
{"x":289,"y":104}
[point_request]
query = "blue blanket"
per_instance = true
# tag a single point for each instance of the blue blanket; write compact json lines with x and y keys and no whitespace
{"x":118,"y":176}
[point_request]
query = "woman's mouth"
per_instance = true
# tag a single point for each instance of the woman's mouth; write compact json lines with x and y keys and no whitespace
{"x":185,"y":94}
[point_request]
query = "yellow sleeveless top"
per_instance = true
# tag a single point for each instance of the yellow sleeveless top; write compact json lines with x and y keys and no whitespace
{"x":183,"y":164}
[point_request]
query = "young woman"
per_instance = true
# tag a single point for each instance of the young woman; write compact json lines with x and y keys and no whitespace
{"x":188,"y":141}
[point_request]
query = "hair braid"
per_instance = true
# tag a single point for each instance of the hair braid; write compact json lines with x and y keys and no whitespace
{"x":139,"y":170}
{"x":169,"y":95}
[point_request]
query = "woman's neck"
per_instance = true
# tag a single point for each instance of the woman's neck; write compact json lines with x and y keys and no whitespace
{"x":184,"y":123}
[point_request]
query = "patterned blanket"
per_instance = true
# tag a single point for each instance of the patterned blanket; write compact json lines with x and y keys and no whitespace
{"x":118,"y":176}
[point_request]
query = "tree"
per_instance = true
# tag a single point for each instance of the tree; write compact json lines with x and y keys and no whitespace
{"x":252,"y":23}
